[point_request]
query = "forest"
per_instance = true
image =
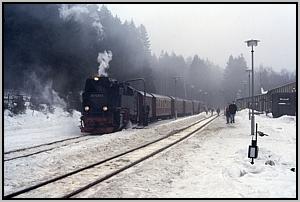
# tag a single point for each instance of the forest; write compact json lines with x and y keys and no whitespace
{"x":53,"y":48}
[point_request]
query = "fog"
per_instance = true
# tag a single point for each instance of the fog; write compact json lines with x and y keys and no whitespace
{"x":218,"y":30}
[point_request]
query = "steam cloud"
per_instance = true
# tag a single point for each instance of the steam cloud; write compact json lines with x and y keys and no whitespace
{"x":44,"y":93}
{"x":67,"y":12}
{"x":82,"y":14}
{"x":103,"y":60}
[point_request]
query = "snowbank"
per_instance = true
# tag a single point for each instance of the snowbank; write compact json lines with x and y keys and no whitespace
{"x":35,"y":127}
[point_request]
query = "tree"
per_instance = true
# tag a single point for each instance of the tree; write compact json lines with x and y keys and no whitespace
{"x":145,"y":39}
{"x":234,"y":75}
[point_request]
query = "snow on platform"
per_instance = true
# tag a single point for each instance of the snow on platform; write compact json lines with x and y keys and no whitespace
{"x":214,"y":164}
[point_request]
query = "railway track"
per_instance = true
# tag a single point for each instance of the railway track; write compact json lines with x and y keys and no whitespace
{"x":70,"y":184}
{"x":29,"y":151}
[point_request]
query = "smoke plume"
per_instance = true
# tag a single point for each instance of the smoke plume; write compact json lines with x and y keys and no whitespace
{"x":103,"y":60}
{"x":83,"y":14}
{"x":67,"y":12}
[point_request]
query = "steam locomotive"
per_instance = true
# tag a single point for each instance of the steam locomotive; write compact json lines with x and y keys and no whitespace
{"x":109,"y":105}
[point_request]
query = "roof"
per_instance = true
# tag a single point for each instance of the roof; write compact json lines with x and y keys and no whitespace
{"x":269,"y":91}
{"x":188,"y":100}
{"x":142,"y":93}
{"x":161,"y":96}
{"x":281,"y":86}
{"x":177,"y":98}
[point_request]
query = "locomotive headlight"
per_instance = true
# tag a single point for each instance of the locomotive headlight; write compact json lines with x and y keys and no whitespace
{"x":86,"y":108}
{"x":96,"y":78}
{"x":105,"y":108}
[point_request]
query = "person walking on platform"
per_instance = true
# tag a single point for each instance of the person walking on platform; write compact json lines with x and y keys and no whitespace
{"x":218,"y":111}
{"x":232,"y":111}
{"x":212,"y":111}
{"x":227,"y":114}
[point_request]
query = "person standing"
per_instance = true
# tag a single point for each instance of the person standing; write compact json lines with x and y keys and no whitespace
{"x":227,"y":114}
{"x":232,"y":111}
{"x":212,"y":111}
{"x":218,"y":111}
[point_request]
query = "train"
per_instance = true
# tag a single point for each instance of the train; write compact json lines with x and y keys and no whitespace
{"x":278,"y":101}
{"x":109,"y":106}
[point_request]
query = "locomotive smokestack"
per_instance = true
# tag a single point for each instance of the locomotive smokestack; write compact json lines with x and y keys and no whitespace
{"x":104,"y":59}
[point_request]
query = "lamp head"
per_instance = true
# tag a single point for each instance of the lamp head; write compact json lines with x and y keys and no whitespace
{"x":252,"y":42}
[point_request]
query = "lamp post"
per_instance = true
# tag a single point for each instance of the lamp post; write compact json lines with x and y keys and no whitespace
{"x":200,"y":91}
{"x":192,"y":91}
{"x":244,"y":83}
{"x":249,"y":72}
{"x":251,"y":43}
{"x":206,"y":95}
{"x":184,"y":86}
{"x":175,"y":79}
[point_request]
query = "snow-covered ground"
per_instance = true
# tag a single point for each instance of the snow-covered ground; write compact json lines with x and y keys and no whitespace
{"x":212,"y":163}
{"x":50,"y":164}
{"x":35,"y":128}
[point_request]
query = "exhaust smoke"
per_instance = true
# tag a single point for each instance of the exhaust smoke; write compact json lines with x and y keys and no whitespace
{"x":103,"y":60}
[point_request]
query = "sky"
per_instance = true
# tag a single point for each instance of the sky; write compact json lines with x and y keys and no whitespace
{"x":216,"y":31}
